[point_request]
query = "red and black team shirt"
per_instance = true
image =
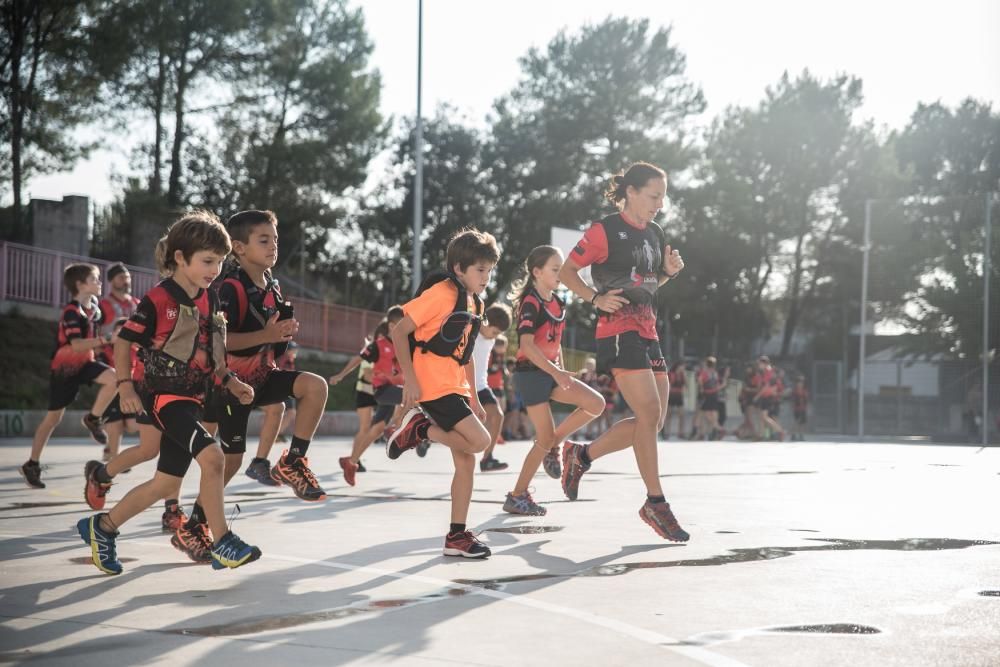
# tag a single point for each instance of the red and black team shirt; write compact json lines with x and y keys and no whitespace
{"x":76,"y":321}
{"x":152,"y":323}
{"x":252,"y":364}
{"x":800,"y":398}
{"x":624,"y":255}
{"x":285,"y":362}
{"x":494,"y":374}
{"x":544,"y":321}
{"x":381,"y":353}
{"x":678,"y":380}
{"x":112,"y":310}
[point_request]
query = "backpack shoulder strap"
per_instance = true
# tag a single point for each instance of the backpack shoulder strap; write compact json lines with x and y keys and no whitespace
{"x":241,"y":298}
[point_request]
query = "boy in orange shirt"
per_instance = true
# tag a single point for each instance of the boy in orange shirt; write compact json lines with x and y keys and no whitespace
{"x":440,"y":327}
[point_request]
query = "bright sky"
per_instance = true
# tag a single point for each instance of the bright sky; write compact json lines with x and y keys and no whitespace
{"x":905,"y":52}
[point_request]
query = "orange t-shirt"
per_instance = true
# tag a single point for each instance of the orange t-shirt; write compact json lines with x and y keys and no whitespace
{"x":438,"y":376}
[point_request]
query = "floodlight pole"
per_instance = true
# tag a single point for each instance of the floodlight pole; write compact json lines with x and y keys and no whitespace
{"x":418,"y":153}
{"x":986,"y":320}
{"x":864,"y":319}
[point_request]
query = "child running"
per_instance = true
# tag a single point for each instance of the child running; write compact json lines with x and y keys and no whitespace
{"x":183,"y":335}
{"x":73,"y":364}
{"x":540,"y":377}
{"x":441,"y":324}
{"x":387,"y":381}
{"x":630,"y":260}
{"x":260,"y":327}
{"x":497,"y":321}
{"x":800,"y":408}
{"x":677,"y":377}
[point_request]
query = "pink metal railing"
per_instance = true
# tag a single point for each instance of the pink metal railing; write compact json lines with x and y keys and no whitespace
{"x":34,"y":275}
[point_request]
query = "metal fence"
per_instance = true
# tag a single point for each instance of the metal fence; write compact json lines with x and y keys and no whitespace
{"x":928,"y":332}
{"x":35,"y":276}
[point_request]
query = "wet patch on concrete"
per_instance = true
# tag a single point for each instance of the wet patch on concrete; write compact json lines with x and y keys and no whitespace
{"x":741,"y":556}
{"x":720,"y":637}
{"x":726,"y":532}
{"x":525,"y":529}
{"x":285,"y":622}
{"x":739,"y":474}
{"x":990,"y":594}
{"x":802,"y":530}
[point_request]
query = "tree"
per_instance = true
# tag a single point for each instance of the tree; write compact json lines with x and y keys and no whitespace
{"x":954,"y":159}
{"x":49,"y":75}
{"x":777,"y":169}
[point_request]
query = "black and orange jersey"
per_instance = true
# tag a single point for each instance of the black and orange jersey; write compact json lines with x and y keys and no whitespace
{"x":381,"y":353}
{"x":112,"y":310}
{"x":623,"y":255}
{"x":800,"y":398}
{"x":76,"y":321}
{"x":543,"y":320}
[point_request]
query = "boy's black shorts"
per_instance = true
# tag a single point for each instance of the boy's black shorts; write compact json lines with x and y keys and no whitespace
{"x":447,"y":411}
{"x":233,"y":416}
{"x":184,"y":437}
{"x":629,"y":351}
{"x":487,"y":397}
{"x":64,"y":388}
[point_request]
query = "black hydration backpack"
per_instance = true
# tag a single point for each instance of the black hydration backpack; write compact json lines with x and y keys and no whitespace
{"x":448,"y":339}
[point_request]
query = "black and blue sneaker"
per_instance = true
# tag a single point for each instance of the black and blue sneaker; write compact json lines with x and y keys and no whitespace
{"x":101,"y":543}
{"x":232,"y":552}
{"x":260,"y":470}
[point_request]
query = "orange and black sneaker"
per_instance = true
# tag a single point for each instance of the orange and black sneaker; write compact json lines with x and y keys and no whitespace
{"x":94,"y":492}
{"x":350,"y":469}
{"x":196,"y":543}
{"x":173,"y":518}
{"x":297,"y":475}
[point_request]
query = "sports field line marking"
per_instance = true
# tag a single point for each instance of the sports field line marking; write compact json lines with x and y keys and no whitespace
{"x":652,"y":637}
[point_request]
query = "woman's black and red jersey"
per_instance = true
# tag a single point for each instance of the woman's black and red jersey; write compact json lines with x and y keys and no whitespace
{"x":542,"y":319}
{"x":76,"y":321}
{"x":247,"y":308}
{"x":152,"y":326}
{"x":624,"y":255}
{"x":381,"y":353}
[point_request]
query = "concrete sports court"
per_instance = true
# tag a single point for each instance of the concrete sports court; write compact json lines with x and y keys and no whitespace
{"x":801,"y":554}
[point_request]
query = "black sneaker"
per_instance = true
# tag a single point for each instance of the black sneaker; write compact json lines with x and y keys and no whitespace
{"x":96,"y":428}
{"x":465,"y":544}
{"x":260,"y":470}
{"x":423,"y":447}
{"x":662,"y":520}
{"x":491,"y":464}
{"x":551,"y":463}
{"x":298,"y":476}
{"x":32,"y":474}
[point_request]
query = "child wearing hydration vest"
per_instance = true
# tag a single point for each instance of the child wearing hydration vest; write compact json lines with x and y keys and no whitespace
{"x":183,"y":337}
{"x":440,"y":327}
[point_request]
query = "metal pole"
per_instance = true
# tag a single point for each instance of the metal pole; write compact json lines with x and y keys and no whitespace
{"x":864,"y":320}
{"x":986,"y":320}
{"x":418,"y":153}
{"x":302,"y":259}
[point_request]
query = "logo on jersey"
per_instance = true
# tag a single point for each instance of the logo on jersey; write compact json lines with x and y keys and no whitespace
{"x":623,"y":236}
{"x":172,"y":313}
